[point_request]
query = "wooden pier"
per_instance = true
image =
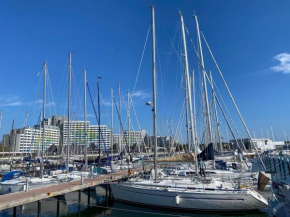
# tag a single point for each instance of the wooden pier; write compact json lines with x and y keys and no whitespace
{"x":20,"y":198}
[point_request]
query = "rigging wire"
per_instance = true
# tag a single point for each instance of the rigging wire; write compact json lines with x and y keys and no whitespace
{"x":105,"y":146}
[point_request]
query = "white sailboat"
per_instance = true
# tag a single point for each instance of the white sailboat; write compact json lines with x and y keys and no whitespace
{"x":184,"y":194}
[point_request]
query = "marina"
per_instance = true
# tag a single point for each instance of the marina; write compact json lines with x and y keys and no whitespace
{"x":144,"y":109}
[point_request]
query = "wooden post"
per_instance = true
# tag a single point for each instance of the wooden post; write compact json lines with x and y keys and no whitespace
{"x":107,"y":195}
{"x":110,"y":192}
{"x":89,"y":196}
{"x":57,"y":207}
{"x":79,"y":201}
{"x":39,"y":208}
{"x":14,"y":211}
{"x":97,"y":198}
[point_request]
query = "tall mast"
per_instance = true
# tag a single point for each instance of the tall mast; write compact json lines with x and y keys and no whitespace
{"x":99,"y":111}
{"x":227,"y":134}
{"x":208,"y":132}
{"x":186,"y":76}
{"x":154,"y":91}
{"x":272,"y":133}
{"x":24,"y":125}
{"x":128,"y":112}
{"x":43,"y":118}
{"x":120,"y":127}
{"x":112,"y":124}
{"x":68,"y":112}
{"x":215,"y":113}
{"x":194,"y":109}
{"x":85,"y":117}
{"x":187,"y":118}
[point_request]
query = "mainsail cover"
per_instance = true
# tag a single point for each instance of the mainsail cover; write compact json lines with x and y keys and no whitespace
{"x":207,"y":153}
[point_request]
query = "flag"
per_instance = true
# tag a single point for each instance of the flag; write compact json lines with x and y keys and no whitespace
{"x":262,"y":181}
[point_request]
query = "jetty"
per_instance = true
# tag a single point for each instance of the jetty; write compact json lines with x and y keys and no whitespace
{"x":13,"y":200}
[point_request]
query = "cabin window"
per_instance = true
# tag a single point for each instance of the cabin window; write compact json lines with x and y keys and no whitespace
{"x":210,"y":189}
{"x":191,"y":188}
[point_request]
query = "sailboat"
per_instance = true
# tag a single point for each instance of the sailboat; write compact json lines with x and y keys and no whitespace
{"x":184,"y":194}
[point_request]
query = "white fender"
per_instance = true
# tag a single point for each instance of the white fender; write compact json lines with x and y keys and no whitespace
{"x":177,"y":199}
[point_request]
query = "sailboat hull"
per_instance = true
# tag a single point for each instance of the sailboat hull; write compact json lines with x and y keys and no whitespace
{"x":186,"y":201}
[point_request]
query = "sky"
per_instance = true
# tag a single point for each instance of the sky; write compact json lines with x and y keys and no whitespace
{"x":249,"y":39}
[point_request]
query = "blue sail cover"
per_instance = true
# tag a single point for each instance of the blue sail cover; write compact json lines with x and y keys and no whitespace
{"x":12,"y":175}
{"x":207,"y":153}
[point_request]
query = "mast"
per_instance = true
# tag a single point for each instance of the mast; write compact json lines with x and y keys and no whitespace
{"x":154,"y":91}
{"x":208,"y":132}
{"x":120,"y":127}
{"x":286,"y":142}
{"x":194,"y":110}
{"x":128,"y":113}
{"x":186,"y":76}
{"x":68,"y":112}
{"x":227,"y":135}
{"x":43,"y":120}
{"x":24,"y":125}
{"x":272,"y":134}
{"x":187,"y":118}
{"x":215,"y":113}
{"x":85,"y":117}
{"x":99,"y":111}
{"x":112,"y":119}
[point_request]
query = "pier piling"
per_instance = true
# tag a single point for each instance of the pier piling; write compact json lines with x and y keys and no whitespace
{"x":14,"y":211}
{"x":57,"y":207}
{"x":39,"y":208}
{"x":89,"y":196}
{"x":80,"y":200}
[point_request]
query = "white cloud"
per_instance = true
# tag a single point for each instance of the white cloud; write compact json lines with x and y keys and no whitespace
{"x":142,"y":94}
{"x":6,"y":101}
{"x":16,"y":103}
{"x":284,"y":66}
{"x":105,"y":103}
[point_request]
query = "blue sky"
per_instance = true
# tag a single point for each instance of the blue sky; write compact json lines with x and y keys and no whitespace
{"x":248,"y":38}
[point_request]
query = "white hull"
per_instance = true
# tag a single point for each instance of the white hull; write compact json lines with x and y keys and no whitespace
{"x":10,"y":188}
{"x":188,"y":200}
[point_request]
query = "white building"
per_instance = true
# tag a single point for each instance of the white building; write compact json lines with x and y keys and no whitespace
{"x":77,"y":134}
{"x":29,"y":139}
{"x":136,"y":137}
{"x":260,"y":143}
